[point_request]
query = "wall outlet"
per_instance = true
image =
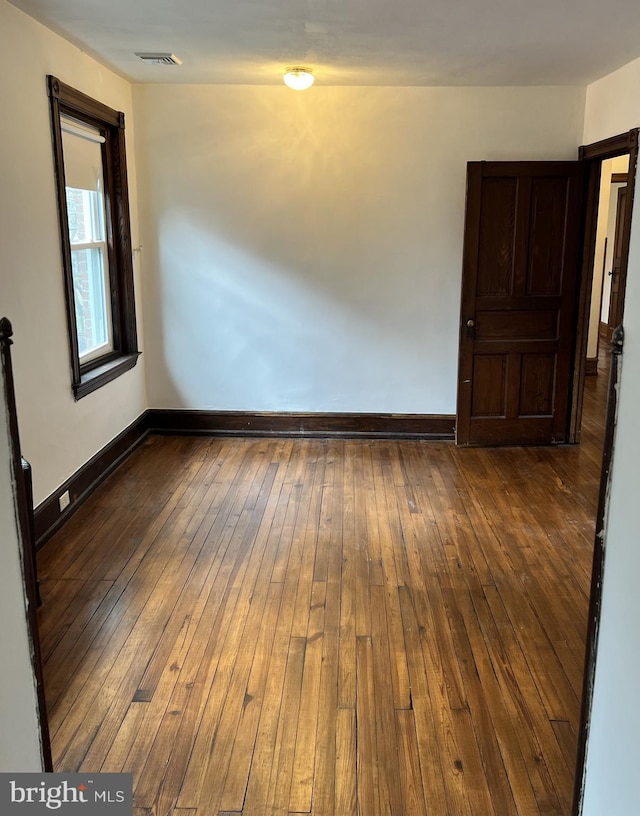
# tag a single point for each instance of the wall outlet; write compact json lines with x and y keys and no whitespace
{"x":64,"y":501}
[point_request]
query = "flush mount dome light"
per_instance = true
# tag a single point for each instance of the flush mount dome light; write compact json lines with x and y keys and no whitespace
{"x":298,"y":78}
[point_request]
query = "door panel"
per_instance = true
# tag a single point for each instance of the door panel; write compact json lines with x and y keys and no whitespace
{"x":518,"y":324}
{"x":536,"y":384}
{"x":496,"y":255}
{"x":545,"y":263}
{"x":490,"y":369}
{"x":521,"y":253}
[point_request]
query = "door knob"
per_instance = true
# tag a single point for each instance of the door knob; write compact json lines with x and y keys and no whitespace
{"x":470,"y":324}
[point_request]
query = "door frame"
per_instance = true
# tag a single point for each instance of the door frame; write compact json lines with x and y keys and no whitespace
{"x":597,"y":574}
{"x":593,"y":155}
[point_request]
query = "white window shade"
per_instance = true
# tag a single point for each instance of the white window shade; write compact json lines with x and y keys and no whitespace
{"x":82,"y":150}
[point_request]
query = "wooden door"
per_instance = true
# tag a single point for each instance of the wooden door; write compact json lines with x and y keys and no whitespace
{"x":520,"y":267}
{"x":617,"y":268}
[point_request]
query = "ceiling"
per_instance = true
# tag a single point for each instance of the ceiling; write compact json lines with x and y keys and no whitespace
{"x":355,"y":42}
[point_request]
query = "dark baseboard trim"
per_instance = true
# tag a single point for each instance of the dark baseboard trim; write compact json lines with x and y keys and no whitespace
{"x":591,"y":367}
{"x":246,"y":423}
{"x":47,"y":516}
{"x":606,"y":332}
{"x":48,"y":519}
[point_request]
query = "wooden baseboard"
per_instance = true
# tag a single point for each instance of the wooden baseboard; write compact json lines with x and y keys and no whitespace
{"x":47,"y":516}
{"x":606,"y":332}
{"x":245,"y":423}
{"x":591,"y":367}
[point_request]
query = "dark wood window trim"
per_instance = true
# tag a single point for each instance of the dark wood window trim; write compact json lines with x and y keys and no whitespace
{"x":87,"y":377}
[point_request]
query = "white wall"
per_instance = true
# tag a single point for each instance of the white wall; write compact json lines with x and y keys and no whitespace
{"x":19,"y":727}
{"x":58,"y":435}
{"x":303,"y":250}
{"x":613,"y":106}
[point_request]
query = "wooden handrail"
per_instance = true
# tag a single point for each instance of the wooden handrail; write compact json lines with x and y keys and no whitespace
{"x":25,"y":522}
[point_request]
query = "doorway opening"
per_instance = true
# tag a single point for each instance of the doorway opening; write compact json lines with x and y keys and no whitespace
{"x":610,"y":166}
{"x":533,"y":266}
{"x":605,"y":309}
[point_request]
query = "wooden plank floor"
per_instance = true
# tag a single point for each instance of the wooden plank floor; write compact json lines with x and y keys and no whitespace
{"x":255,"y":626}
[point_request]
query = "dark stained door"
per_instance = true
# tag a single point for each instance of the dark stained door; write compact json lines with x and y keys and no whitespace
{"x":520,"y":266}
{"x":618,"y":268}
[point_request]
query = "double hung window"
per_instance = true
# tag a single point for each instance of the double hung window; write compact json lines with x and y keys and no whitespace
{"x":89,"y":154}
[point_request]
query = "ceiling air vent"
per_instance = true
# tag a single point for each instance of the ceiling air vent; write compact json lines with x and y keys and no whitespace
{"x":160,"y":58}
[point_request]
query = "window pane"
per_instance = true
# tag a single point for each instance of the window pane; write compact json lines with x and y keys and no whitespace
{"x":93,"y":318}
{"x":85,"y":210}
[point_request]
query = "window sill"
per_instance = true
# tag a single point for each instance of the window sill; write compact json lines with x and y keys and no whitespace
{"x":103,"y":374}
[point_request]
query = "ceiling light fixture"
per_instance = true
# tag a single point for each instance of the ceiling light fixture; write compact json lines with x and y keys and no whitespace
{"x":298,"y":78}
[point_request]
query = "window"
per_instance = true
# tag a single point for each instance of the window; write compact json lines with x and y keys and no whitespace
{"x":84,"y":188}
{"x":93,"y":206}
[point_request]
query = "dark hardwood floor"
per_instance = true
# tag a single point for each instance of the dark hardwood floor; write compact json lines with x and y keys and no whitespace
{"x":276,"y":626}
